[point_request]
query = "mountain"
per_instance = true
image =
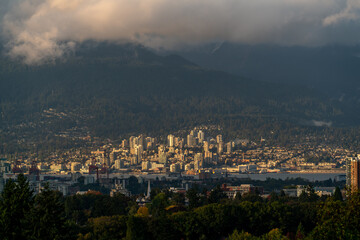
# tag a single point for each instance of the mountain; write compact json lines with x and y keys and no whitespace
{"x":332,"y":69}
{"x":114,"y":90}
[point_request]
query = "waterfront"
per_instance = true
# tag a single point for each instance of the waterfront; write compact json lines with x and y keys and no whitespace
{"x":309,"y":176}
{"x":255,"y":176}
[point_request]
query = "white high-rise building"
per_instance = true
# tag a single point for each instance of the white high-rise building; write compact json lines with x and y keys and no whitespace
{"x":198,"y":161}
{"x":219,"y":138}
{"x":140,"y":140}
{"x":206,"y":146}
{"x":229,"y":147}
{"x":132,"y":141}
{"x":171,"y":140}
{"x":201,"y":136}
{"x":139,"y":151}
{"x":190,"y":140}
{"x":163,"y":158}
{"x":220,"y":147}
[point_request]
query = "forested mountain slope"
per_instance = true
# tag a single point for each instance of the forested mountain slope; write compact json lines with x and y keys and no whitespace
{"x":121,"y":89}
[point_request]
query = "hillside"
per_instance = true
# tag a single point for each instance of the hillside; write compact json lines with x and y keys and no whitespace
{"x":334,"y":69}
{"x":112,"y":91}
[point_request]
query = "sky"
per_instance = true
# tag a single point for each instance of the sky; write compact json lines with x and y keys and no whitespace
{"x":40,"y":30}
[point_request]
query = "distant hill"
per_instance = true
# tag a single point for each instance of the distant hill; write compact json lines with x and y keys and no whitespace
{"x":121,"y":89}
{"x":334,"y":69}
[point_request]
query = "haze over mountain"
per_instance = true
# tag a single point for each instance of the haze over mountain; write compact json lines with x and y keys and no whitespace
{"x":333,"y":69}
{"x":119,"y":89}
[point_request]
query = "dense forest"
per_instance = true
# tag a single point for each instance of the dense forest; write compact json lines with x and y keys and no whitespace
{"x":209,"y":215}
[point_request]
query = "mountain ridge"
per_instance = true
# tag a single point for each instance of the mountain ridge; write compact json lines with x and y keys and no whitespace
{"x":128,"y":88}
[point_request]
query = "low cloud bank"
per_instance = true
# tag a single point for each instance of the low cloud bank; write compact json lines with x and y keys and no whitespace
{"x":41,"y":30}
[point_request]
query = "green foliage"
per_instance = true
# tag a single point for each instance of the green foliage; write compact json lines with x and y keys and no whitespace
{"x":194,"y":199}
{"x":300,"y":232}
{"x":215,"y":220}
{"x":161,"y":228}
{"x":136,"y":228}
{"x":158,"y":205}
{"x":81,"y":207}
{"x":241,"y":236}
{"x":15,"y":204}
{"x":331,"y":223}
{"x":154,"y":192}
{"x":337,"y":195}
{"x":108,"y":228}
{"x":186,"y":224}
{"x":308,"y":195}
{"x":216,"y":195}
{"x":251,"y":197}
{"x":274,"y":234}
{"x":48,"y":216}
{"x":134,"y":186}
{"x":178,"y":199}
{"x":338,"y":220}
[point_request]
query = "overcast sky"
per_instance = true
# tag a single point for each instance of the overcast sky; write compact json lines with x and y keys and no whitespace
{"x":38,"y":30}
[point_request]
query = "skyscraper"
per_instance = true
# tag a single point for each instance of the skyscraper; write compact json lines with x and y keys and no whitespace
{"x":190,"y":140}
{"x":201,"y":136}
{"x":112,"y":157}
{"x":348,"y":171}
{"x":228,"y":147}
{"x":171,"y":140}
{"x":220,"y":147}
{"x":131,"y":141}
{"x":162,"y":155}
{"x":219,"y":138}
{"x":355,"y":174}
{"x":198,"y":161}
{"x":206,"y":146}
{"x":139,"y":152}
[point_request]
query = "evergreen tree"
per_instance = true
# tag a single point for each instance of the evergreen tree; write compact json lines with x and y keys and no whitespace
{"x":158,"y":205}
{"x":48,"y":216}
{"x":194,"y":200}
{"x":216,"y":195}
{"x":15,"y":203}
{"x":136,"y":228}
{"x":337,"y":195}
{"x":300,"y":232}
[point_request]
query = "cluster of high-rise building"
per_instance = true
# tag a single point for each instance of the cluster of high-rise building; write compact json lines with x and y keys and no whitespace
{"x":196,"y":153}
{"x":177,"y":154}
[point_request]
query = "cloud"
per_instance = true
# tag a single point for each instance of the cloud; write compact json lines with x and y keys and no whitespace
{"x":320,"y":123}
{"x":42,"y":30}
{"x":350,"y":12}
